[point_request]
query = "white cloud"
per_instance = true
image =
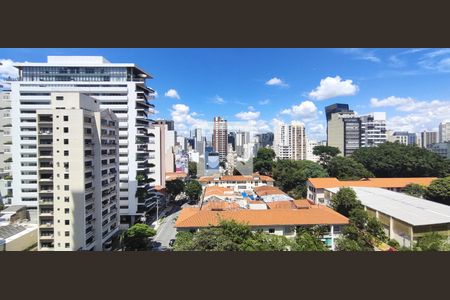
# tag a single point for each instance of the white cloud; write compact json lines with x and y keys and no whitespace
{"x":218,"y":100}
{"x":276,"y":81}
{"x":362,"y":54}
{"x":7,"y":70}
{"x":390,"y":101}
{"x":306,"y":110}
{"x":414,"y":115}
{"x":172,"y":93}
{"x":333,"y":87}
{"x":184,"y":120}
{"x":248,"y":115}
{"x":264,"y":102}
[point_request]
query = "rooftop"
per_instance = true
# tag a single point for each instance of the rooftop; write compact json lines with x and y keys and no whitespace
{"x":8,"y":231}
{"x":370,"y":182}
{"x":409,"y":209}
{"x":13,"y":208}
{"x":193,"y":217}
{"x":236,"y":178}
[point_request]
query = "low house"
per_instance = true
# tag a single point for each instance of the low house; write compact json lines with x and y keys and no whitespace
{"x":237,"y":183}
{"x":280,"y":218}
{"x":317,"y":186}
{"x":405,"y":218}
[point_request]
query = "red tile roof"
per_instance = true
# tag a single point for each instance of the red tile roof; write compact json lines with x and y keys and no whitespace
{"x":370,"y":182}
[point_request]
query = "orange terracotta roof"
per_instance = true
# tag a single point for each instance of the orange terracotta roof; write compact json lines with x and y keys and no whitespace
{"x":302,"y":203}
{"x":175,"y":175}
{"x":370,"y":182}
{"x":218,"y":191}
{"x":220,"y":205}
{"x":255,"y":202}
{"x":205,"y":178}
{"x":268,"y":190}
{"x":271,"y":217}
{"x":281,"y":205}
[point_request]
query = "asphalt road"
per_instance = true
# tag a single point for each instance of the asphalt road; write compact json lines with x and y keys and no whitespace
{"x":166,"y":231}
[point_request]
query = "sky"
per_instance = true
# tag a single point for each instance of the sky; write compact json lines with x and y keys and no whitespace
{"x":256,"y":88}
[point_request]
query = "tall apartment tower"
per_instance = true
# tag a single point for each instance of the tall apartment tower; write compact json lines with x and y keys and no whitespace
{"x":120,"y":87}
{"x":77,"y":174}
{"x":344,"y":132}
{"x":335,"y":108}
{"x":373,"y":129}
{"x":428,"y":138}
{"x":444,"y":132}
{"x":5,"y":146}
{"x":220,"y":137}
{"x":290,"y":141}
{"x":242,"y":138}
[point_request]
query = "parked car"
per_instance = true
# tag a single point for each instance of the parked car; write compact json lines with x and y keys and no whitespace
{"x":171,"y":242}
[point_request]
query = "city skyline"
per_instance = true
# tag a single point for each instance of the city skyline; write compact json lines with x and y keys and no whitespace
{"x":255,"y":88}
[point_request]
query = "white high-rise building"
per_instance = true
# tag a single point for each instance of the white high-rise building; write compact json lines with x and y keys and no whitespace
{"x":310,"y":144}
{"x":120,"y":87}
{"x":444,"y":132}
{"x":373,"y":129}
{"x":290,"y":141}
{"x":242,"y":138}
{"x":5,"y":147}
{"x":428,"y":138}
{"x":77,"y":163}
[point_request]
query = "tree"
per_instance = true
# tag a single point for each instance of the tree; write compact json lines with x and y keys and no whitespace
{"x":439,"y":191}
{"x":346,"y":168}
{"x":193,"y":189}
{"x":136,"y":237}
{"x":291,"y":175}
{"x":325,"y":154}
{"x":192,"y":168}
{"x":432,"y":242}
{"x":308,"y":239}
{"x":174,"y":188}
{"x":398,"y":160}
{"x":264,"y":161}
{"x":414,"y":189}
{"x":344,"y":201}
{"x":236,"y":172}
{"x":184,"y":241}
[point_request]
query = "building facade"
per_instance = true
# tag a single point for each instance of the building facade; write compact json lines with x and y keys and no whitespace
{"x":444,"y":132}
{"x":427,"y":138}
{"x":5,"y":147}
{"x":290,"y":141}
{"x":373,"y":129}
{"x":220,"y":137}
{"x":344,"y":132}
{"x":120,"y":87}
{"x":77,"y":174}
{"x":442,"y":149}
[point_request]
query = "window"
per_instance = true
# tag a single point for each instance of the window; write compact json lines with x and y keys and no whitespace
{"x":66,"y":118}
{"x":66,"y":129}
{"x":66,"y":210}
{"x":66,"y":176}
{"x":66,"y":141}
{"x":67,"y":222}
{"x":66,"y":152}
{"x":67,"y":245}
{"x":67,"y":233}
{"x":59,"y":97}
{"x":66,"y":187}
{"x":66,"y":199}
{"x":66,"y":165}
{"x":271,"y":230}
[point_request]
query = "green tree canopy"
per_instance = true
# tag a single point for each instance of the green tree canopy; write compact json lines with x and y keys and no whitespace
{"x":174,"y":187}
{"x":346,"y":168}
{"x":136,"y":237}
{"x":192,"y":168}
{"x":291,"y":175}
{"x":398,"y":160}
{"x":414,"y":189}
{"x":264,"y":161}
{"x":345,"y":201}
{"x":325,"y":154}
{"x":308,"y":239}
{"x":432,"y":242}
{"x":439,"y":191}
{"x":193,"y":189}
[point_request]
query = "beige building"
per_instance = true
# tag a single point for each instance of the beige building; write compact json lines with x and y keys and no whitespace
{"x":78,"y":162}
{"x":344,"y":132}
{"x":5,"y":147}
{"x":290,"y":141}
{"x":220,"y":137}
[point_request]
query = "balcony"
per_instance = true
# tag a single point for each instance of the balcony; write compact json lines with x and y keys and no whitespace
{"x":46,"y":189}
{"x":45,"y":131}
{"x":46,"y":201}
{"x":46,"y":177}
{"x":46,"y":213}
{"x":45,"y":119}
{"x":45,"y":154}
{"x":46,"y":225}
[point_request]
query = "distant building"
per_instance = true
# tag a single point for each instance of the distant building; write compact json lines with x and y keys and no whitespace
{"x":344,"y":132}
{"x":427,"y":138}
{"x":442,"y":149}
{"x":237,"y":183}
{"x":373,"y":129}
{"x":290,"y":141}
{"x":444,"y":132}
{"x":220,"y":137}
{"x":232,"y":140}
{"x":310,"y":149}
{"x":264,"y":139}
{"x":402,"y":137}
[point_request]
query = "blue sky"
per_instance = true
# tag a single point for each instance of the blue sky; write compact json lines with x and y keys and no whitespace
{"x":258,"y":87}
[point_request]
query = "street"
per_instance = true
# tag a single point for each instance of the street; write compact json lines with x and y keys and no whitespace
{"x":166,"y":231}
